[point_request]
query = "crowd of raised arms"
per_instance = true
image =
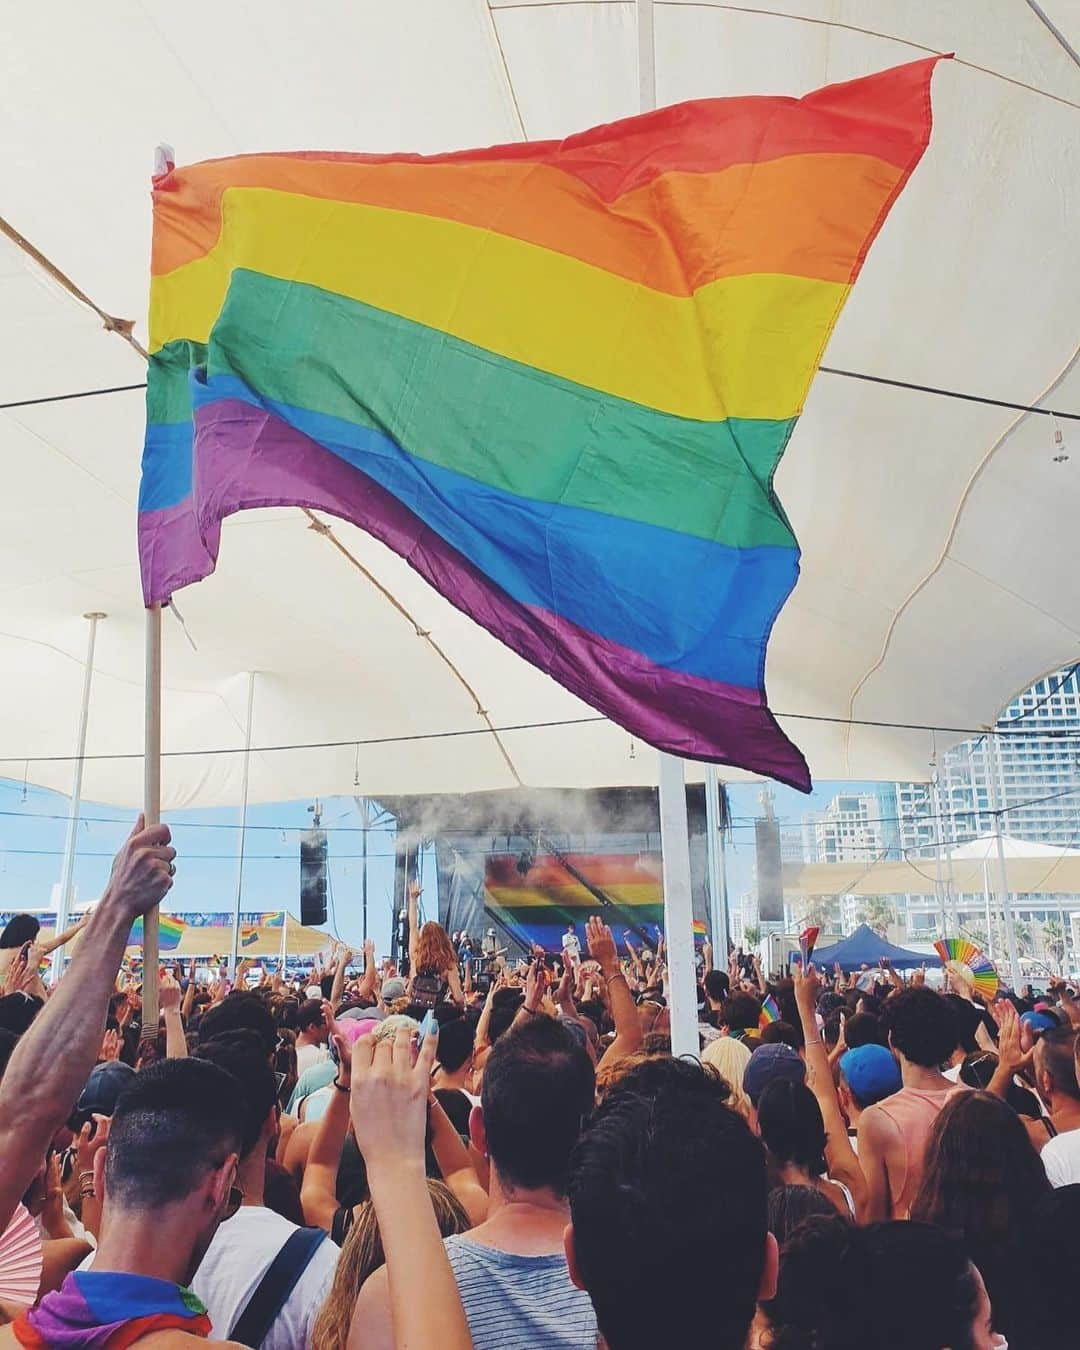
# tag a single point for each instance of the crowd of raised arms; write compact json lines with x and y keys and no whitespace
{"x":368,"y":1159}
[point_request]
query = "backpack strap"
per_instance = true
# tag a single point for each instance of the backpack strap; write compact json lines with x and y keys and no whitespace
{"x":273,"y":1290}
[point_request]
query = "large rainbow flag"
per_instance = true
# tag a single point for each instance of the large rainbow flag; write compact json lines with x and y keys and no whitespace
{"x":556,"y":377}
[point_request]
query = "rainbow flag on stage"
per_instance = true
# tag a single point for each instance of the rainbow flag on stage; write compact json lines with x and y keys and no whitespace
{"x":557,"y":377}
{"x":536,"y":904}
{"x":170,"y":931}
{"x":248,"y":936}
{"x":770,"y":1011}
{"x":274,"y":918}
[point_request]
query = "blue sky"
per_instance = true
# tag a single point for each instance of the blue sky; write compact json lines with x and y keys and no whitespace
{"x":32,"y":842}
{"x":790,"y":807}
{"x":33,"y":823}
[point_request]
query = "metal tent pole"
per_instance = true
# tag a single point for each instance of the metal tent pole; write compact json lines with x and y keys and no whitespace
{"x":67,"y":873}
{"x":714,"y":850}
{"x":674,"y":832}
{"x":243,"y":825}
{"x":678,"y":909}
{"x":1004,"y":900}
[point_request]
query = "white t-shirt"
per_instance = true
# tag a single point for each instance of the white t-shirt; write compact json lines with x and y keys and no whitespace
{"x":1061,"y":1158}
{"x":307,"y":1055}
{"x":571,"y":945}
{"x":237,"y":1259}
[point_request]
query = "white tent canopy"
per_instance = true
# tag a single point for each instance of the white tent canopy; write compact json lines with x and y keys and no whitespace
{"x":1030,"y":869}
{"x":939,"y":568}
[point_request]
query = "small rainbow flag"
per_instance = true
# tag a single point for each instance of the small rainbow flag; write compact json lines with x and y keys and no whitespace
{"x":170,"y":931}
{"x":248,"y":936}
{"x":556,"y":377}
{"x":699,"y":930}
{"x":770,"y":1011}
{"x":974,"y":965}
{"x":274,"y":918}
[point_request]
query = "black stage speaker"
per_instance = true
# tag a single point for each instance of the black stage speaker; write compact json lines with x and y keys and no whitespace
{"x":313,"y":877}
{"x":770,"y":882}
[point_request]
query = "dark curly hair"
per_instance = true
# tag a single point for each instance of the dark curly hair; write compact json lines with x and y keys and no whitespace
{"x":921,"y":1025}
{"x":837,"y":1280}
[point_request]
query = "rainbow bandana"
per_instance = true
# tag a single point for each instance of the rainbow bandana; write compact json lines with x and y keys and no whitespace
{"x":104,"y":1310}
{"x":557,"y":378}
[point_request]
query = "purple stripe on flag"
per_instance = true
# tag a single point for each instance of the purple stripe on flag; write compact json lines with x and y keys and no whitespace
{"x":246,"y":457}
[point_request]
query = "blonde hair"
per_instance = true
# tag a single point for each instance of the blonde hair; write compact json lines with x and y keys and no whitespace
{"x":389,"y":1027}
{"x":363,"y":1254}
{"x":729,"y":1058}
{"x":434,"y":950}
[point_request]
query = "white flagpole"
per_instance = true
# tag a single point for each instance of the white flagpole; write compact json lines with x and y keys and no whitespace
{"x":284,"y":939}
{"x":67,"y":873}
{"x":243,"y":825}
{"x":152,"y":807}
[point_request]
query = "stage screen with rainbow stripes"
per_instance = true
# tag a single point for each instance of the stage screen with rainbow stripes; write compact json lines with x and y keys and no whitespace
{"x":537,"y":904}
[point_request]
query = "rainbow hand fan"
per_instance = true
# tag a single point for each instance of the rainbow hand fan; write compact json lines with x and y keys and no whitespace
{"x":969,"y":964}
{"x":21,"y":1260}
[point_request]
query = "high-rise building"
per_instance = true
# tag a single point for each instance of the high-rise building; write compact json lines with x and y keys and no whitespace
{"x":1036,"y":762}
{"x":854,"y":827}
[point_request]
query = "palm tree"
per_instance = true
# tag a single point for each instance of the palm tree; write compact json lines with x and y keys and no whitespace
{"x":820,"y":912}
{"x":1054,"y":940}
{"x":1022,"y":929}
{"x":976,"y":931}
{"x":877,"y":913}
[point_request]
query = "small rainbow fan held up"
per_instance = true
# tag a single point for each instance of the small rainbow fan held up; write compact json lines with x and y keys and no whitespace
{"x":964,"y":959}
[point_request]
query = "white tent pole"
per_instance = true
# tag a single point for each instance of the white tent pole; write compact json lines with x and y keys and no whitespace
{"x":989,"y":915}
{"x":152,"y":806}
{"x":1004,"y":901}
{"x":674,"y":832}
{"x":678,"y":909}
{"x":714,"y":849}
{"x":939,"y":884}
{"x":284,"y":940}
{"x":67,"y":873}
{"x":243,"y":825}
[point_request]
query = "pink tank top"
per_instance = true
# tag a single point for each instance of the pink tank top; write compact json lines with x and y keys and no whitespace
{"x":913,"y":1112}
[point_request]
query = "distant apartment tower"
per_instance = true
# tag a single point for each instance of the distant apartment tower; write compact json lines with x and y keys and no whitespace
{"x":855,"y":826}
{"x":1032,"y":764}
{"x":1037,"y":763}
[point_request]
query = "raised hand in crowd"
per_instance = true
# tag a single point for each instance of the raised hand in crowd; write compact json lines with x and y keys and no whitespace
{"x":54,"y":1057}
{"x":389,"y":1096}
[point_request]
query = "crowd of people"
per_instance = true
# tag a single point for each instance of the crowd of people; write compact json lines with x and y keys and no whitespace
{"x":375,"y":1157}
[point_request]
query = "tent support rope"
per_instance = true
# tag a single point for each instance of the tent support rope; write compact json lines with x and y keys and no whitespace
{"x":123,"y":327}
{"x":320,"y":527}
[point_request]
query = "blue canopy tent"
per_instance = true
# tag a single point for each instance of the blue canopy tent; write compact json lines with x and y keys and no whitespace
{"x":865,"y":948}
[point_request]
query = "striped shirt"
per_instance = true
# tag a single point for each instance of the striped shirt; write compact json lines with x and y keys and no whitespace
{"x":520,"y":1302}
